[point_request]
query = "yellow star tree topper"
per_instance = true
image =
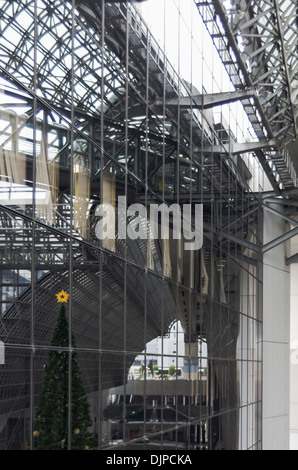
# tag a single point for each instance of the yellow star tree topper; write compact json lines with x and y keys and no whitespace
{"x":62,"y":297}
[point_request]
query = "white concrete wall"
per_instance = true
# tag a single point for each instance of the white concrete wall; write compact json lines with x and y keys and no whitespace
{"x":247,"y":352}
{"x":294,"y":350}
{"x":276,"y":337}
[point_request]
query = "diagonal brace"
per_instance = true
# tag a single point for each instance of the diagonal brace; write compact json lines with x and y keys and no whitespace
{"x":207,"y":101}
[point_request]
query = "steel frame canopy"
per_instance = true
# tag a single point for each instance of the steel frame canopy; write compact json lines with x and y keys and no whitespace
{"x":49,"y":85}
{"x":257,"y":42}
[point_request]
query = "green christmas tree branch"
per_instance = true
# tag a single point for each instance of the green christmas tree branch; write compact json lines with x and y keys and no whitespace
{"x":51,"y":422}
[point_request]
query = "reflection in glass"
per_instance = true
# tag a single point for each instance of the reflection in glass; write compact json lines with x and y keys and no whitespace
{"x":99,"y":122}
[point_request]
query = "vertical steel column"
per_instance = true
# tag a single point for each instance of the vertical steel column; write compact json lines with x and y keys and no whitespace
{"x":72,"y":215}
{"x":33,"y":227}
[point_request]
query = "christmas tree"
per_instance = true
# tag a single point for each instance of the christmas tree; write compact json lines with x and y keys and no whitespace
{"x":51,"y":423}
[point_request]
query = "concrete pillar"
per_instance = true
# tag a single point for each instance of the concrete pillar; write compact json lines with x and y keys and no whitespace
{"x":294,"y":350}
{"x":2,"y":353}
{"x":276,"y":335}
{"x":191,"y":361}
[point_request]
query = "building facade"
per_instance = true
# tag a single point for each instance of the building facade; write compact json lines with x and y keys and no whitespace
{"x":111,"y":114}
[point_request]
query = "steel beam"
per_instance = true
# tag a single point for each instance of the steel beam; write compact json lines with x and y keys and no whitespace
{"x":285,"y":61}
{"x":279,"y":240}
{"x":229,"y":236}
{"x":220,"y":11}
{"x":282,"y":201}
{"x":292,"y":259}
{"x":207,"y":101}
{"x":257,"y":44}
{"x":236,"y":148}
{"x":282,"y":216}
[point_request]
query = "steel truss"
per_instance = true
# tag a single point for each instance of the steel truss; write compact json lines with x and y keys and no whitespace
{"x":149,"y":141}
{"x":153,"y":137}
{"x":152,"y":141}
{"x":257,"y":42}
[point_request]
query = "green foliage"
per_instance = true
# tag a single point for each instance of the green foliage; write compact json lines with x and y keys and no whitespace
{"x":51,"y":423}
{"x":172,"y":370}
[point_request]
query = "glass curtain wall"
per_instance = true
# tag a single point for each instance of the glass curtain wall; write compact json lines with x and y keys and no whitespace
{"x":118,"y":332}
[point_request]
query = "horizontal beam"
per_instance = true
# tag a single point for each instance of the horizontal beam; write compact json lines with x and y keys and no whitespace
{"x":206,"y":101}
{"x":279,"y":240}
{"x":238,"y":148}
{"x":292,"y":259}
{"x":281,"y":215}
{"x":233,"y":238}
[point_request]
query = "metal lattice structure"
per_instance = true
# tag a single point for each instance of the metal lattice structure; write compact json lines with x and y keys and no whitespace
{"x":53,"y":102}
{"x":105,"y":100}
{"x":257,"y":42}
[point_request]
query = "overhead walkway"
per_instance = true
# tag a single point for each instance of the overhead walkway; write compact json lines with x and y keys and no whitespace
{"x":257,"y":43}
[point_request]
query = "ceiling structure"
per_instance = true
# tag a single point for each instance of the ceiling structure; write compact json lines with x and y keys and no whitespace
{"x":257,"y":42}
{"x":48,"y":102}
{"x":151,"y":136}
{"x":150,"y":143}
